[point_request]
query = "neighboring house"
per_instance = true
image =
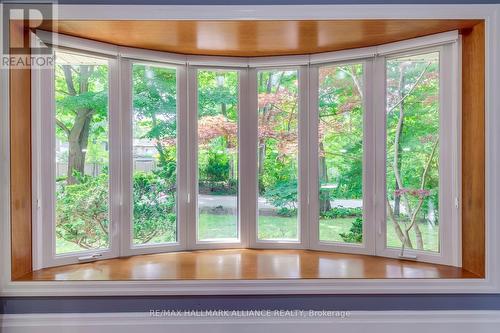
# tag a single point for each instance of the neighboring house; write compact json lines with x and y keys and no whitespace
{"x":144,"y":155}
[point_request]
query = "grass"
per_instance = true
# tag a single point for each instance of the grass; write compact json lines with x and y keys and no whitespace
{"x":277,"y":227}
{"x":213,"y":226}
{"x":430,"y":235}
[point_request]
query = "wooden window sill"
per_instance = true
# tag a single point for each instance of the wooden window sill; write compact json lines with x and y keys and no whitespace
{"x":247,"y":264}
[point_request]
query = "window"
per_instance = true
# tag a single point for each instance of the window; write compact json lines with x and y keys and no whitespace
{"x":217,"y":156}
{"x":76,"y":165}
{"x":413,"y":152}
{"x":82,"y":155}
{"x":180,"y":153}
{"x":340,"y":153}
{"x":154,"y":153}
{"x":277,"y":155}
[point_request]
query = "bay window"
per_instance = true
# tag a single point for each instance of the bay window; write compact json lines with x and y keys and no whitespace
{"x":144,"y":152}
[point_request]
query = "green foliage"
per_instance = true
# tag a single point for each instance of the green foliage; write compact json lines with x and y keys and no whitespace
{"x":217,"y":167}
{"x":284,"y":196}
{"x":154,"y":208}
{"x":82,"y":211}
{"x":82,"y":208}
{"x":229,"y":187}
{"x":355,"y":234}
{"x":154,"y":101}
{"x":218,"y":93}
{"x":341,"y":212}
{"x":217,"y":97}
{"x":341,"y":124}
{"x":94,"y":98}
{"x":416,"y":82}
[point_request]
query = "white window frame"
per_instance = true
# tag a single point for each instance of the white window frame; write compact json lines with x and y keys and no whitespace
{"x":43,"y":153}
{"x":192,"y":83}
{"x":128,"y":248}
{"x":373,"y":60}
{"x":368,"y":244}
{"x":299,"y":64}
{"x":449,"y":158}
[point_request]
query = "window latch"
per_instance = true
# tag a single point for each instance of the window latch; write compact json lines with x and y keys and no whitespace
{"x":94,"y":256}
{"x":408,"y":256}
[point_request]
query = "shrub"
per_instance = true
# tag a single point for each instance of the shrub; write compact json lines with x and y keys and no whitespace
{"x":217,"y":167}
{"x":82,"y":210}
{"x":218,"y":188}
{"x":154,"y":208}
{"x":283,"y":196}
{"x":340,"y":212}
{"x":355,"y":234}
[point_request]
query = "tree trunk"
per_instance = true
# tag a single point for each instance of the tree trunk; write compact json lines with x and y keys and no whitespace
{"x":418,"y":237}
{"x":223,"y":109}
{"x":403,"y":237}
{"x":78,"y":142}
{"x":78,"y":134}
{"x":262,"y":141}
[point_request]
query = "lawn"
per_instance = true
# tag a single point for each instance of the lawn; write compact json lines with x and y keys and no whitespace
{"x":276,"y":227}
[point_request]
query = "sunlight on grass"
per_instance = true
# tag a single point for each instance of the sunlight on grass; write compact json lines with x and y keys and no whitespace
{"x":224,"y":226}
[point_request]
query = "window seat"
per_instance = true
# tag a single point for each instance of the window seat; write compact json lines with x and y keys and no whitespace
{"x":247,"y":264}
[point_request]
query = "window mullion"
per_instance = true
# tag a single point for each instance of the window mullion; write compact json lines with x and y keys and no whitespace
{"x":115,"y":167}
{"x":248,"y":151}
{"x":303,"y":178}
{"x":313,"y":158}
{"x":247,"y":157}
{"x":379,"y":123}
{"x":192,"y":134}
{"x":183,"y":150}
{"x":369,"y":157}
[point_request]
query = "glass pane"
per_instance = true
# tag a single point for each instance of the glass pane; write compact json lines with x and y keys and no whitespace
{"x":82,"y":156}
{"x":341,"y":153}
{"x":217,"y":155}
{"x":278,"y":155}
{"x":413,"y":152}
{"x":154,"y":155}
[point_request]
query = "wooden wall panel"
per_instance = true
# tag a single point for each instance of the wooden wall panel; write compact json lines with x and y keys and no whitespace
{"x":473,"y":150}
{"x":20,"y":159}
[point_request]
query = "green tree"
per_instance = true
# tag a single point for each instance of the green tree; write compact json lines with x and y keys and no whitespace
{"x":81,"y":110}
{"x":413,"y":132}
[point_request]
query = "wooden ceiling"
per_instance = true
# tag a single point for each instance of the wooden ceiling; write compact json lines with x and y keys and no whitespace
{"x":254,"y":38}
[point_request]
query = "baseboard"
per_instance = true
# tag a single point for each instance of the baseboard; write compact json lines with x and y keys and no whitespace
{"x":251,"y":322}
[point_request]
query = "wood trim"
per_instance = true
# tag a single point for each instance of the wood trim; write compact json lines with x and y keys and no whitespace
{"x":473,"y":150}
{"x":20,"y":156}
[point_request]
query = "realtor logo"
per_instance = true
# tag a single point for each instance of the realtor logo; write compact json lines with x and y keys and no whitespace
{"x":21,"y":46}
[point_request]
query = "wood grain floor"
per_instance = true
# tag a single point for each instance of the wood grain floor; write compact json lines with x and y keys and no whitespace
{"x":247,"y":264}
